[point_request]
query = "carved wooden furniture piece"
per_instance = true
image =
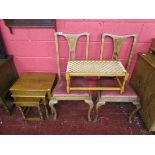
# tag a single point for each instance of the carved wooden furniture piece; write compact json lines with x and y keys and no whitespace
{"x":117,"y":44}
{"x":30,"y":90}
{"x":114,"y":96}
{"x":59,"y":92}
{"x":8,"y":76}
{"x":110,"y":96}
{"x":113,"y":68}
{"x":143,"y":81}
{"x":96,"y":68}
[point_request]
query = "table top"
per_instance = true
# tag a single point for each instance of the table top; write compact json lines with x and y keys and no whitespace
{"x":95,"y":68}
{"x":34,"y":82}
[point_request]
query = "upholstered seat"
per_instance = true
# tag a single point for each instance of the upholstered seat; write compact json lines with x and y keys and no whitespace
{"x":114,"y":96}
{"x":129,"y":92}
{"x":60,"y":89}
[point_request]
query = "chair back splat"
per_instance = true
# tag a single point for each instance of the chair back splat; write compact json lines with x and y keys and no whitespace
{"x":59,"y":92}
{"x":72,"y":42}
{"x":117,"y":43}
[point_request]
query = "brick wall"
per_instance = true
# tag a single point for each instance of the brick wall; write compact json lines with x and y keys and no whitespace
{"x":34,"y":48}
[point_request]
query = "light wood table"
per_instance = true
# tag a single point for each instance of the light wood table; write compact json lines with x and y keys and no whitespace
{"x":32,"y":86}
{"x":98,"y":69}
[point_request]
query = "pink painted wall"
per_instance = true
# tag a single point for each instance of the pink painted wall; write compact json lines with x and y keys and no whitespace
{"x":34,"y":48}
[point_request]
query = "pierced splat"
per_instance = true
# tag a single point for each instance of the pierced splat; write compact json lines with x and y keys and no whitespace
{"x":117,"y":42}
{"x":72,"y":41}
{"x":117,"y":47}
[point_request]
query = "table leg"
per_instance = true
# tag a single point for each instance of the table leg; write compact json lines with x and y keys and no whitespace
{"x":123,"y":84}
{"x":48,"y":96}
{"x":21,"y":111}
{"x":27,"y":110}
{"x":40,"y":113}
{"x":44,"y":100}
{"x":68,"y":82}
{"x":138,"y":106}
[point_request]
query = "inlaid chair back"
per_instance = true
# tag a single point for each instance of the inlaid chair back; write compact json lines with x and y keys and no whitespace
{"x":117,"y":43}
{"x":72,"y":42}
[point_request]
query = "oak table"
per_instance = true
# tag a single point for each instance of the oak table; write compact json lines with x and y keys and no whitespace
{"x":30,"y":88}
{"x":98,"y":69}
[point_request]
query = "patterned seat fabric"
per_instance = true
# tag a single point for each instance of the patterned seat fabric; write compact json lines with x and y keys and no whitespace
{"x":60,"y":89}
{"x":111,"y":68}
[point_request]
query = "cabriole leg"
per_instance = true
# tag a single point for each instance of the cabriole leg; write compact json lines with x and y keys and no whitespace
{"x":138,"y":106}
{"x":98,"y":105}
{"x":91,"y":105}
{"x":52,"y":102}
{"x":54,"y":112}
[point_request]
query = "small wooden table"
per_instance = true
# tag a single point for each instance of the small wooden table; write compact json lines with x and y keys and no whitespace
{"x":98,"y":69}
{"x":32,"y":86}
